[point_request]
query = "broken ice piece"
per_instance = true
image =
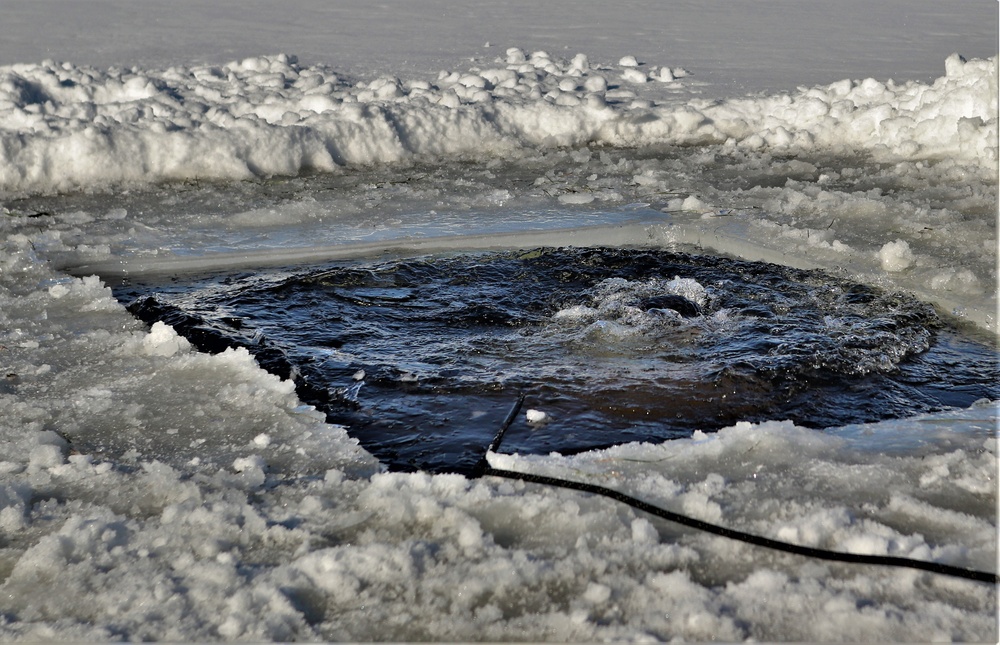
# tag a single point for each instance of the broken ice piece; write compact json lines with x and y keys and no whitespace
{"x":536,"y":416}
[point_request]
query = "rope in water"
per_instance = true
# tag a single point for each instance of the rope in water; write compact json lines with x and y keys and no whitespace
{"x":483,"y":469}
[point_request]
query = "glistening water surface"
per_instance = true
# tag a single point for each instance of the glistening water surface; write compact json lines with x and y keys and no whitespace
{"x":422,"y":358}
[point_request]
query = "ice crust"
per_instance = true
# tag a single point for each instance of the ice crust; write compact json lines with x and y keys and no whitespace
{"x":151,"y":492}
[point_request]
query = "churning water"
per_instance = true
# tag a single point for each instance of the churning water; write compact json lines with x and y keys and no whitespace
{"x":422,"y":358}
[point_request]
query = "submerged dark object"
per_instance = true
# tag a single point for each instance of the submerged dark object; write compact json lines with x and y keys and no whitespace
{"x":420,"y":358}
{"x":680,"y":304}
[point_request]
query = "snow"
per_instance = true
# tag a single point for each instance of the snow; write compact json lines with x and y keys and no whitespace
{"x":66,"y":126}
{"x":148,"y":491}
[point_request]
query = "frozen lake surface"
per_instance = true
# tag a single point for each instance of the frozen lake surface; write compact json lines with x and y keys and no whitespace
{"x":149,"y":490}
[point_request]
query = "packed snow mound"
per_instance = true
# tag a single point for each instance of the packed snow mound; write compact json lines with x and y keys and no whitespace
{"x":955,"y":117}
{"x":64,"y":126}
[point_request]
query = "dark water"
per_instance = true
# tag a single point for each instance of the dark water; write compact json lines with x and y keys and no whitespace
{"x":423,"y":358}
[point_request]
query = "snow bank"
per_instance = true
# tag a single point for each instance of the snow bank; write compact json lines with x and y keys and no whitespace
{"x":895,"y":183}
{"x":953,"y":118}
{"x":63,"y":126}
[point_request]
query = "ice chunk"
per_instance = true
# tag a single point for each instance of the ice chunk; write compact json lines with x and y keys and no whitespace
{"x":582,"y":197}
{"x":162,"y":340}
{"x":633,"y":75}
{"x":896,"y":256}
{"x":536,"y":416}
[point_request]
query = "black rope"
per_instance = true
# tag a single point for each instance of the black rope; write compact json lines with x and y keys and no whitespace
{"x":822,"y":554}
{"x":482,"y":465}
{"x":484,"y":469}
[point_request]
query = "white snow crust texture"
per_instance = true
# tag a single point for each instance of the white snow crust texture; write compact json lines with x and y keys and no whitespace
{"x":63,"y":126}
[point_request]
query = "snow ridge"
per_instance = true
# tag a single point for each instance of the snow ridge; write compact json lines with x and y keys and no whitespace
{"x":64,"y":126}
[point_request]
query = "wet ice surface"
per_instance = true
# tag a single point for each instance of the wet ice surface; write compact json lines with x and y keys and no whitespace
{"x":421,"y":358}
{"x":928,"y":228}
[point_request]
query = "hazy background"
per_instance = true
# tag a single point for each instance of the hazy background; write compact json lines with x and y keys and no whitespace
{"x":735,"y":46}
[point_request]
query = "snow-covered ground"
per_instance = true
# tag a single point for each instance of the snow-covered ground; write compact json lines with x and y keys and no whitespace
{"x":149,"y":491}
